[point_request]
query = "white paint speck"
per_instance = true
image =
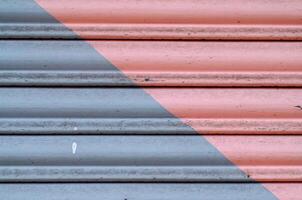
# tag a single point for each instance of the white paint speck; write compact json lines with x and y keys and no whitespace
{"x":75,"y":128}
{"x":74,"y":147}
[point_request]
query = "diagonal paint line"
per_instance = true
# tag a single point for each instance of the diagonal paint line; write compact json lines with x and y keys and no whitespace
{"x":102,"y":63}
{"x":44,"y":4}
{"x":167,"y":101}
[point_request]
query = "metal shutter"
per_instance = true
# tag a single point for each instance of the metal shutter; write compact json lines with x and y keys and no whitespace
{"x":150,"y":99}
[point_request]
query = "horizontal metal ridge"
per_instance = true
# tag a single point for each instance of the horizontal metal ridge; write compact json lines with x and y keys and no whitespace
{"x":149,"y":174}
{"x":133,"y":111}
{"x":152,"y":126}
{"x":148,"y":159}
{"x":145,"y":63}
{"x":189,"y":20}
{"x":145,"y":12}
{"x":149,"y":79}
{"x":235,"y":191}
{"x":152,"y":32}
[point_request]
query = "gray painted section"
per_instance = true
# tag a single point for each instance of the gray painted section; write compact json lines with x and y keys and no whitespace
{"x":106,"y":103}
{"x":84,"y":111}
{"x":65,"y":78}
{"x":23,"y":11}
{"x":30,"y":63}
{"x":35,"y":31}
{"x":26,"y":19}
{"x":107,"y":151}
{"x":100,"y":126}
{"x":51,"y":56}
{"x":121,"y":174}
{"x":112,"y":158}
{"x":51,"y":62}
{"x":132,"y":192}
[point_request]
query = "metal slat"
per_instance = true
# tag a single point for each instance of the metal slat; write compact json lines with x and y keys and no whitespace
{"x":152,"y":32}
{"x":133,"y":111}
{"x":145,"y":63}
{"x":148,"y":159}
{"x":186,"y":20}
{"x":207,"y":191}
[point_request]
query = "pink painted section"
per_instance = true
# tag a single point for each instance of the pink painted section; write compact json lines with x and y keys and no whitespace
{"x":176,"y":11}
{"x":206,"y":63}
{"x":178,"y":19}
{"x":230,"y":103}
{"x":197,"y":57}
{"x":285,"y":191}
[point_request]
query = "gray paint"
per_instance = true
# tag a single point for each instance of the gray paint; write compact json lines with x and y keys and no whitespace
{"x":47,"y":62}
{"x":205,"y":191}
{"x":86,"y":126}
{"x":107,"y":151}
{"x":51,"y":55}
{"x":23,"y":11}
{"x":26,"y":19}
{"x":104,"y":103}
{"x":112,"y":158}
{"x":122,"y":174}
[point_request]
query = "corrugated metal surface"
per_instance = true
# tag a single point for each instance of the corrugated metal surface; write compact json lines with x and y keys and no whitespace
{"x":133,"y":111}
{"x":157,"y":19}
{"x":148,"y":159}
{"x":159,"y":118}
{"x":156,"y":63}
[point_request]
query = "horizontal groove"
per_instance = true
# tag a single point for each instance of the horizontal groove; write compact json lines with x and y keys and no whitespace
{"x":128,"y":126}
{"x":132,"y":111}
{"x":152,"y":32}
{"x":149,"y":183}
{"x":148,"y":159}
{"x":234,"y":191}
{"x":149,"y":79}
{"x":140,"y":40}
{"x":150,"y":64}
{"x":153,"y":20}
{"x":148,"y":174}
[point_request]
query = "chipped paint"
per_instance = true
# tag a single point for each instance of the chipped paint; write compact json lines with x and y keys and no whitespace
{"x":74,"y":147}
